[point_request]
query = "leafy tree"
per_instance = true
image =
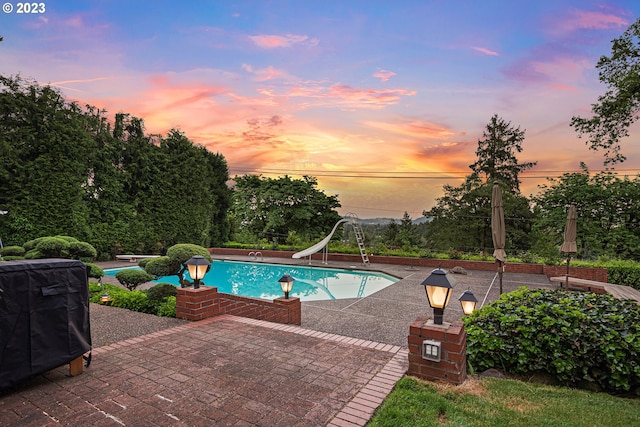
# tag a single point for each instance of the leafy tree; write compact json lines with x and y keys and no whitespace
{"x":618,"y":108}
{"x":496,"y":154}
{"x":461,"y":218}
{"x":271,"y":208}
{"x":608,"y":218}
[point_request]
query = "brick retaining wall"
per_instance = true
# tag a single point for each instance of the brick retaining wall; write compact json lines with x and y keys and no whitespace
{"x":206,"y":301}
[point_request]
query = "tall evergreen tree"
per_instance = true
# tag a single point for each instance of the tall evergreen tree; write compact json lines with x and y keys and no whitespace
{"x":496,"y":154}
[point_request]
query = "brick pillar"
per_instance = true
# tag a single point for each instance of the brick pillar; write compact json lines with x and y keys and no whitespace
{"x":292,"y":310}
{"x":452,"y":366}
{"x":197,"y":304}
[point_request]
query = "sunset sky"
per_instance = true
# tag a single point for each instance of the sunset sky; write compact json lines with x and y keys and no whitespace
{"x":383,"y":101}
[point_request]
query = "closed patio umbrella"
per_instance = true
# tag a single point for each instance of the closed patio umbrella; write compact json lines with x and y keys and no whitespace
{"x":569,"y":245}
{"x":498,"y":229}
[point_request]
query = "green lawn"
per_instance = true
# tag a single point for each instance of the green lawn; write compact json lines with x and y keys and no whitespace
{"x":495,"y":402}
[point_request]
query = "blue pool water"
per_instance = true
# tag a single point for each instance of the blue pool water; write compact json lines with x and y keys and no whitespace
{"x":260,"y":280}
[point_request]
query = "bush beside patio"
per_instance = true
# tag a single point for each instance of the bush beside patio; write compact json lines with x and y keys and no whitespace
{"x":578,"y":338}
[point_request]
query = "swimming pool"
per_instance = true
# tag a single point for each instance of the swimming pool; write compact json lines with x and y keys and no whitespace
{"x":260,"y":280}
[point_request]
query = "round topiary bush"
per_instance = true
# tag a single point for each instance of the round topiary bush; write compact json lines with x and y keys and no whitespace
{"x":161,"y":266}
{"x":577,"y":337}
{"x":95,"y":271}
{"x":53,"y":247}
{"x":31,"y":244}
{"x":183,"y":252}
{"x":67,"y":238}
{"x":12,"y":251}
{"x":82,"y":250}
{"x":161,"y":291}
{"x":132,"y":278}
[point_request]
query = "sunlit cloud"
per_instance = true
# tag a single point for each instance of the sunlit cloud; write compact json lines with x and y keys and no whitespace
{"x":265,"y":74}
{"x":417,"y":129}
{"x":485,"y":51}
{"x":271,"y":41}
{"x":368,"y":96}
{"x":384,"y":75}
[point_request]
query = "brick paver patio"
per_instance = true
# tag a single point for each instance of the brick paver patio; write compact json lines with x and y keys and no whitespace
{"x":220,"y":371}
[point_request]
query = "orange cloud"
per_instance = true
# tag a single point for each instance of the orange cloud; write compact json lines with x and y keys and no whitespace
{"x":271,"y":41}
{"x":417,"y":129}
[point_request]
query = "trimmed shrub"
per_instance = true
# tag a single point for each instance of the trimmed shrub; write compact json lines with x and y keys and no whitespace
{"x":31,"y":244}
{"x":161,"y":291}
{"x":624,"y":273}
{"x":53,"y":247}
{"x":33,"y":254}
{"x":95,"y":272}
{"x":161,"y":266}
{"x":12,"y":258}
{"x":183,"y":252}
{"x":143,"y":262}
{"x":580,"y":338}
{"x":82,"y":250}
{"x":12,"y":251}
{"x":67,"y":238}
{"x":132,"y":278}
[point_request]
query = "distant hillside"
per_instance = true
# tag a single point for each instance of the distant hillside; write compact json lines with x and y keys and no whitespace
{"x":385,"y":221}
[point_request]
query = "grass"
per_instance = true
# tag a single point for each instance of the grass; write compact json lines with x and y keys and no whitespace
{"x":495,"y":402}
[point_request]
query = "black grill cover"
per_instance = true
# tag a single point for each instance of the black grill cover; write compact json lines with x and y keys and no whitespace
{"x":44,"y":316}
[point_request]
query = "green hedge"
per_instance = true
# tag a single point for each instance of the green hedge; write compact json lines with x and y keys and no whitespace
{"x":134,"y":300}
{"x":579,"y":338}
{"x":624,"y":273}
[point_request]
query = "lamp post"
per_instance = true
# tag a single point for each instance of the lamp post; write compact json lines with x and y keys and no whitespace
{"x":438,"y":289}
{"x":286,"y":283}
{"x":105,"y":298}
{"x":468,"y":301}
{"x":197,"y":266}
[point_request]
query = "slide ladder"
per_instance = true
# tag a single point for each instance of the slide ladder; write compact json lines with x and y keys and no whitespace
{"x":357,"y":230}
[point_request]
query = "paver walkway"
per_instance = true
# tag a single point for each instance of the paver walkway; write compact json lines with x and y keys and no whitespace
{"x":220,"y":371}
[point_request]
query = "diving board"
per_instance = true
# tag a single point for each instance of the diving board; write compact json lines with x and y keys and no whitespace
{"x":134,"y":258}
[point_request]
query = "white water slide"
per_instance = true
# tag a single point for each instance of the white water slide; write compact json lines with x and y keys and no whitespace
{"x":322,"y":244}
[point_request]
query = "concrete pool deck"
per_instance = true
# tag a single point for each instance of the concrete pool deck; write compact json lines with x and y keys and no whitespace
{"x":335,"y":369}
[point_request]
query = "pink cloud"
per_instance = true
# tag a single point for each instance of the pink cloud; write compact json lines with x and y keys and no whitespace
{"x":485,"y":51}
{"x":592,"y":20}
{"x":384,"y":75}
{"x":271,"y":41}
